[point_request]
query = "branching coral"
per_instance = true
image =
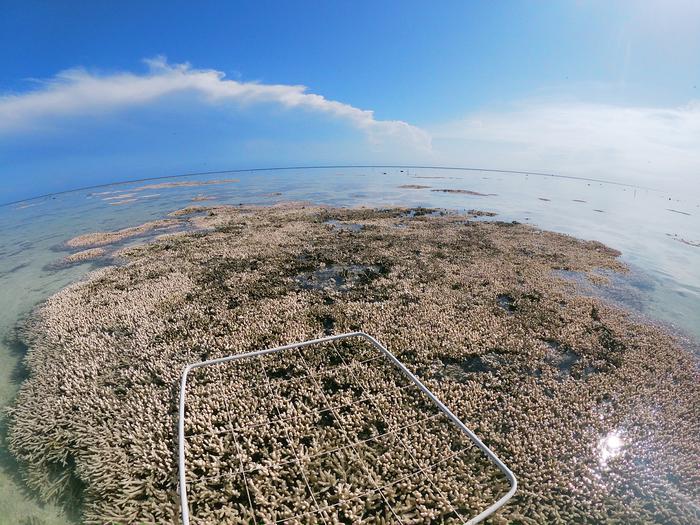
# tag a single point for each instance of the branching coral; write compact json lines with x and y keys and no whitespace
{"x":474,"y":308}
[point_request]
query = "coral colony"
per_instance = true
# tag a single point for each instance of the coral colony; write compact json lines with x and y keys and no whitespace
{"x":594,"y":411}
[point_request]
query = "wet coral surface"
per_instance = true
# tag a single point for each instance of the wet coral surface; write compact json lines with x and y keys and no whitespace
{"x":324,"y":435}
{"x":595,"y":413}
{"x":104,"y":238}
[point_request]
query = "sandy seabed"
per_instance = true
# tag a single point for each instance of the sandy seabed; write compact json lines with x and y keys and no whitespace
{"x":595,"y":412}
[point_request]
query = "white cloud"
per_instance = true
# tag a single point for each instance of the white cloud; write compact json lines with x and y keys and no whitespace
{"x":78,"y":92}
{"x":655,"y":146}
{"x":640,"y":145}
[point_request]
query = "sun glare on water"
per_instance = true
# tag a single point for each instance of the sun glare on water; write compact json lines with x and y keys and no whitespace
{"x":610,"y":446}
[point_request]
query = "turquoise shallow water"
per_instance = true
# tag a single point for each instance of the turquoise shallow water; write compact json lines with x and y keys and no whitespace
{"x":658,"y":234}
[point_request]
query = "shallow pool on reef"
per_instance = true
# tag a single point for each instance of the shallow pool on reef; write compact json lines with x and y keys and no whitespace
{"x":657,"y":232}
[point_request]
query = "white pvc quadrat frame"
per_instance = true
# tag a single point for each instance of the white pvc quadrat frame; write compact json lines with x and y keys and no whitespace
{"x":184,"y":504}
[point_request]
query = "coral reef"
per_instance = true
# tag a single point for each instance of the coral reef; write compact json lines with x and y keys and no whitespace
{"x":595,"y":412}
{"x":481,"y":213}
{"x":104,"y":238}
{"x":678,"y":211}
{"x":675,"y":237}
{"x":466,"y":192}
{"x":84,"y":255}
{"x":184,"y":184}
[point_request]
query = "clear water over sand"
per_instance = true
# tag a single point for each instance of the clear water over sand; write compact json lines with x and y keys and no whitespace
{"x":657,"y":233}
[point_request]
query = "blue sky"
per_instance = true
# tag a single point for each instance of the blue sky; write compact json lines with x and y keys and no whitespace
{"x":102,"y":91}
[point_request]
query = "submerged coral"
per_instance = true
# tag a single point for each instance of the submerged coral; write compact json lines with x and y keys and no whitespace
{"x":481,"y":213}
{"x":104,"y":238}
{"x":184,"y":184}
{"x":595,"y":412}
{"x":85,"y":255}
{"x":466,"y":192}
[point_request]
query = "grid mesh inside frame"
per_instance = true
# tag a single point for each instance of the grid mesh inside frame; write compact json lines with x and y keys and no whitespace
{"x":329,"y":433}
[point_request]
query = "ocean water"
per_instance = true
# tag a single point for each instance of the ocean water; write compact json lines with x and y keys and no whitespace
{"x":658,"y":233}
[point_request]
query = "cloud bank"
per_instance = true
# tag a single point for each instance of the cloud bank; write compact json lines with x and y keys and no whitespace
{"x":655,"y":146}
{"x":77,"y":92}
{"x":652,"y":146}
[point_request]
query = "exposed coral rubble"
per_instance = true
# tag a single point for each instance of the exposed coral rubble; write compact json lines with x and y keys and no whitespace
{"x":595,"y":412}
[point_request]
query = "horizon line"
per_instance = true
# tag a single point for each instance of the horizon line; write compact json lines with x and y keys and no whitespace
{"x":355,"y":166}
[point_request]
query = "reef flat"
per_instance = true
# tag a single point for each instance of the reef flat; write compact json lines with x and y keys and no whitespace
{"x":103,"y":238}
{"x":595,"y":412}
